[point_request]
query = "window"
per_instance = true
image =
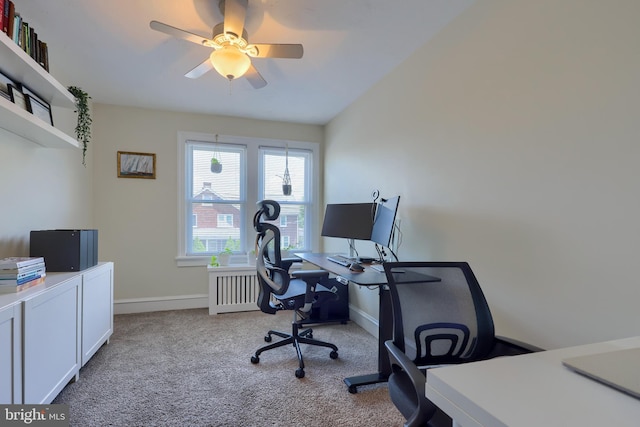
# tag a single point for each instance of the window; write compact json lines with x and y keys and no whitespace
{"x":217,"y":208}
{"x":294,"y":209}
{"x":225,"y":220}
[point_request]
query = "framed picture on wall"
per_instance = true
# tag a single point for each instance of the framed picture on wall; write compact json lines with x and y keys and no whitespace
{"x":136,"y":165}
{"x":17,"y":97}
{"x":4,"y":86}
{"x":39,"y":108}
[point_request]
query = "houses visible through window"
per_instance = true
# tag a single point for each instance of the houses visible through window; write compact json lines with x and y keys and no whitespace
{"x":225,"y":220}
{"x":218,"y":203}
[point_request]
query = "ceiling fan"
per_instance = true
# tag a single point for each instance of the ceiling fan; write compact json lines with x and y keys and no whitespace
{"x":232,"y":53}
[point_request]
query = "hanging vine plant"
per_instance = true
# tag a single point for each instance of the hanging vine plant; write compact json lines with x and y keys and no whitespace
{"x":83,"y":127}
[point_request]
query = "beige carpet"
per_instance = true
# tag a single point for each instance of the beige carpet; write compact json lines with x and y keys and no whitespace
{"x":186,"y":368}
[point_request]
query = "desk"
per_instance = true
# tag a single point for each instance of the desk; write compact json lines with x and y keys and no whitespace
{"x":532,"y":390}
{"x":369,"y":277}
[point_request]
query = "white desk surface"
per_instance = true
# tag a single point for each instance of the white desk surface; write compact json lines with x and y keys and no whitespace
{"x":532,"y":390}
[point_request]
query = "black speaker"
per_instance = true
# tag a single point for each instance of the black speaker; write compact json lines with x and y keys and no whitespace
{"x":65,"y":250}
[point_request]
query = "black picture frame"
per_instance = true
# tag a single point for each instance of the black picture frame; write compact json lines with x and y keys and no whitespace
{"x":17,"y":97}
{"x":39,"y":108}
{"x":5,"y":81}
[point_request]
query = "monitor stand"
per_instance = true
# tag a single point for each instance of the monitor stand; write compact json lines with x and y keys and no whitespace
{"x":352,"y":252}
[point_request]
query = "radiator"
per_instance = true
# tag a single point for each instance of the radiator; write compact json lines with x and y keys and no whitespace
{"x":233,"y":288}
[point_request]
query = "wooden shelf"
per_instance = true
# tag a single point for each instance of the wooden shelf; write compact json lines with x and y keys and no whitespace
{"x":19,"y":66}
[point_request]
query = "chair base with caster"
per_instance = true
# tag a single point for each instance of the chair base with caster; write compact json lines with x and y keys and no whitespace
{"x":296,"y":338}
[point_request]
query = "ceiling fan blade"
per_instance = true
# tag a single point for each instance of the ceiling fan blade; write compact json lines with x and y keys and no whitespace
{"x":278,"y":50}
{"x":177,"y":32}
{"x":254,"y":77}
{"x":200,"y":69}
{"x":234,"y":13}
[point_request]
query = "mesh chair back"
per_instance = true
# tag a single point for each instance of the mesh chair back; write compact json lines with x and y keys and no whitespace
{"x":267,"y":263}
{"x":272,"y":277}
{"x":440,"y":313}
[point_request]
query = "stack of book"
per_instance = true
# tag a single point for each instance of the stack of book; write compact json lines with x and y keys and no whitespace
{"x":20,"y":273}
{"x":22,"y":33}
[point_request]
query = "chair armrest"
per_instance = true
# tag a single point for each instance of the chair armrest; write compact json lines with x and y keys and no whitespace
{"x":424,"y":409}
{"x":311,"y":278}
{"x":505,"y":346}
{"x":397,"y":356}
{"x":310,"y":274}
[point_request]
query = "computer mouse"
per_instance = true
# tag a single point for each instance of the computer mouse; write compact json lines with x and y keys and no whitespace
{"x":358,"y":268}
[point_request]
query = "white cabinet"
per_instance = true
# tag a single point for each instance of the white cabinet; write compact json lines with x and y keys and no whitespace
{"x":11,"y":354}
{"x":48,"y":332}
{"x":97,"y":309}
{"x":16,"y":64}
{"x":51,"y":337}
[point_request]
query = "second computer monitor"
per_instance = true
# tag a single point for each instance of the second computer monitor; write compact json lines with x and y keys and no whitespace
{"x":384,"y":223}
{"x":349,"y":220}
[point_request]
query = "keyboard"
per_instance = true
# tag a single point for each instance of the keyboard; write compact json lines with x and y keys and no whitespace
{"x":339,"y":259}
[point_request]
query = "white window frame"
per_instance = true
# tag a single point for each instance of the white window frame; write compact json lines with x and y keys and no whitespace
{"x":253,"y":188}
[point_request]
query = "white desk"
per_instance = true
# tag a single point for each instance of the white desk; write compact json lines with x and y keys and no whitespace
{"x":532,"y":390}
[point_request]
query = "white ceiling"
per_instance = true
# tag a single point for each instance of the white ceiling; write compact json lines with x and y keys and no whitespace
{"x":107,"y":48}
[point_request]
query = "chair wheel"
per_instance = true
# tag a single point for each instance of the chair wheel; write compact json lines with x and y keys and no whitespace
{"x":267,"y":338}
{"x":299,"y":373}
{"x":333,"y":354}
{"x":255,"y":359}
{"x":353,"y":389}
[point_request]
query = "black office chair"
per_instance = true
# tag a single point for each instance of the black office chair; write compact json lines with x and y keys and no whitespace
{"x":281,"y":290}
{"x":440,"y":316}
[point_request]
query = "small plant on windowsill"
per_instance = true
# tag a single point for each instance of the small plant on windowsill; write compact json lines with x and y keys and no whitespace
{"x":83,"y":126}
{"x":214,"y":261}
{"x":225,"y":256}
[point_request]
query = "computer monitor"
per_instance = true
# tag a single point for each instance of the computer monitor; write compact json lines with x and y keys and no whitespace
{"x":384,"y":222}
{"x":349,"y":220}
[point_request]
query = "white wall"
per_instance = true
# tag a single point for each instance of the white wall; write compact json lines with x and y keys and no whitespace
{"x":137,"y":218}
{"x":512,"y":138}
{"x":41,"y":188}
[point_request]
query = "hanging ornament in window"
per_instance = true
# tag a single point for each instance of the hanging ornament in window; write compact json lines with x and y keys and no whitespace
{"x":216,"y":166}
{"x":286,"y":179}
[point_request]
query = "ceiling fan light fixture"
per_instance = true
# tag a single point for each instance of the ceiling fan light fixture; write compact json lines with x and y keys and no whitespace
{"x":230,"y":62}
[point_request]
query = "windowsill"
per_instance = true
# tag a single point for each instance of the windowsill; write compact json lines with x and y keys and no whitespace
{"x":239,"y":260}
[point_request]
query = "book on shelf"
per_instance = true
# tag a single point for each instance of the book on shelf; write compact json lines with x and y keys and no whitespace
{"x":7,"y":289}
{"x":20,"y":273}
{"x":18,"y":262}
{"x":12,"y":13}
{"x":13,"y":273}
{"x":2,"y":2}
{"x":22,"y":280}
{"x":17,"y":25}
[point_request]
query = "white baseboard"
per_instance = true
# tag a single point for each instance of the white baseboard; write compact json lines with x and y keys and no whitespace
{"x":365,"y":320}
{"x":142,"y":305}
{"x":182,"y":302}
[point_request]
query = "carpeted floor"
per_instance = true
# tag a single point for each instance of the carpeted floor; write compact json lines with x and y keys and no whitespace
{"x":186,"y":368}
